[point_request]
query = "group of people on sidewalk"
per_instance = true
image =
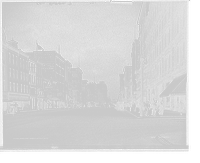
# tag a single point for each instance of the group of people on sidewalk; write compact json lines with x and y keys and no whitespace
{"x":153,"y":108}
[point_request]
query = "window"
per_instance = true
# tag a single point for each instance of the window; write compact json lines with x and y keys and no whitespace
{"x":24,"y":77}
{"x":9,"y":58}
{"x":20,"y":63}
{"x":24,"y":89}
{"x":16,"y":74}
{"x":13,"y":73}
{"x":23,"y":63}
{"x":10,"y":86}
{"x":10,"y":73}
{"x":13,"y":59}
{"x":17,"y":87}
{"x":20,"y":75}
{"x":27,"y":89}
{"x":16,"y":59}
{"x":26,"y":65}
{"x":21,"y":88}
{"x":13,"y":87}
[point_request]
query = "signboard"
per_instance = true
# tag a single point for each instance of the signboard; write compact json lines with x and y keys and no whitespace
{"x":48,"y":67}
{"x":44,"y":55}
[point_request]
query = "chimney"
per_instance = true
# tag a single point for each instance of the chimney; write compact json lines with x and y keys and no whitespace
{"x":13,"y":43}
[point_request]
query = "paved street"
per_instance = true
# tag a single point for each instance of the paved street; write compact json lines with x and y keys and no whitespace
{"x":92,"y":128}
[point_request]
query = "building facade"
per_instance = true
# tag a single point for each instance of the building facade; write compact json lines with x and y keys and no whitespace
{"x":32,"y":82}
{"x":128,"y":86}
{"x":163,"y":54}
{"x":76,"y":85}
{"x":39,"y":84}
{"x":50,"y":79}
{"x":68,"y":79}
{"x":135,"y":60}
{"x":15,"y":77}
{"x":102,"y":87}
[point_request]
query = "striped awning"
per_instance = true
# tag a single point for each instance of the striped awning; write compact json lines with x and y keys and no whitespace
{"x":176,"y":87}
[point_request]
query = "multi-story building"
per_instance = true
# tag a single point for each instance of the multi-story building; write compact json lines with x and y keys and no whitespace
{"x":163,"y":51}
{"x":103,"y":89}
{"x":32,"y":82}
{"x":128,"y":84}
{"x":15,"y":77}
{"x":39,"y":84}
{"x":135,"y":60}
{"x":93,"y":92}
{"x":121,"y":87}
{"x":76,"y":84}
{"x":53,"y":76}
{"x":68,"y":67}
{"x":84,"y":93}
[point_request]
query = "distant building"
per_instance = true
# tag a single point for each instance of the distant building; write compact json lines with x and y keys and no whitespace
{"x":54,"y":71}
{"x":76,"y":84}
{"x":122,"y":87}
{"x":93,"y":92}
{"x":128,"y":85}
{"x":102,"y":92}
{"x":135,"y":70}
{"x":68,"y":81}
{"x":32,"y":82}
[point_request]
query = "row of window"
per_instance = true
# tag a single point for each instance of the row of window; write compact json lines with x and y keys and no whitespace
{"x":169,"y":63}
{"x":32,"y":67}
{"x":18,"y":88}
{"x":18,"y":61}
{"x":18,"y":75}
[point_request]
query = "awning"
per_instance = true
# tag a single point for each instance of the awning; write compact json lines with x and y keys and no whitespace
{"x":176,"y":87}
{"x":6,"y":100}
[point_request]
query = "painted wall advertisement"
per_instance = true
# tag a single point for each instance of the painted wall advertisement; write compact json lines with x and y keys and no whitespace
{"x":44,"y":55}
{"x":48,"y":67}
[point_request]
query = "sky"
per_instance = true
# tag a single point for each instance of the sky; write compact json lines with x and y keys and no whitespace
{"x":99,"y":34}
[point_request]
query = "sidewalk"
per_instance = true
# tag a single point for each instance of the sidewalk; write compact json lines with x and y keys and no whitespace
{"x":168,"y":114}
{"x":35,"y":110}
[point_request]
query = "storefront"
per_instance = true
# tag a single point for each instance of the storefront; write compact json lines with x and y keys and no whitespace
{"x":175,"y":93}
{"x":22,"y":100}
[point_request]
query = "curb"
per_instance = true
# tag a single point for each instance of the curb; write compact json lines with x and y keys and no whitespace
{"x":157,"y":117}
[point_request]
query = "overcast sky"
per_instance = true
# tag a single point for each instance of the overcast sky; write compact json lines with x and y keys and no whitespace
{"x":101,"y":34}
